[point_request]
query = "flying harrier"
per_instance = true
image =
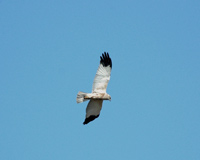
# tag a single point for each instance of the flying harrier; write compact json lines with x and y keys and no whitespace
{"x":98,"y":94}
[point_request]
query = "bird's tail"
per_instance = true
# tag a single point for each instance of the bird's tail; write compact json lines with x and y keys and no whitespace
{"x":80,"y":97}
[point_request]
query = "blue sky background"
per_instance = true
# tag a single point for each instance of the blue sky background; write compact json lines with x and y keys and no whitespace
{"x":49,"y":50}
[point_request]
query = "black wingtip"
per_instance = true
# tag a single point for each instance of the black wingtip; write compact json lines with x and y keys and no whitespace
{"x":89,"y":119}
{"x":106,"y":60}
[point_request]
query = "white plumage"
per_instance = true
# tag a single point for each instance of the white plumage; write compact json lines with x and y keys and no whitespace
{"x":98,"y":94}
{"x":101,"y":79}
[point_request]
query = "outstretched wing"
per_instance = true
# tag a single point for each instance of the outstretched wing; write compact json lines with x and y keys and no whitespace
{"x":93,"y":110}
{"x":102,"y":76}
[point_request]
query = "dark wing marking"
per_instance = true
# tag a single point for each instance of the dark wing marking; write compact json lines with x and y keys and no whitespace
{"x":89,"y":119}
{"x":106,"y":60}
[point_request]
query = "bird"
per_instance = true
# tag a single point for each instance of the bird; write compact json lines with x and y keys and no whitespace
{"x":99,"y":86}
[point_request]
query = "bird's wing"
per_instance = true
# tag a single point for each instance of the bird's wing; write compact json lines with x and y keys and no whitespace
{"x":93,"y":110}
{"x":102,"y":76}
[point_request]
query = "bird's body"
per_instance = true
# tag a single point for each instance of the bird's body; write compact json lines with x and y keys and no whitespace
{"x":98,"y":90}
{"x":97,"y":96}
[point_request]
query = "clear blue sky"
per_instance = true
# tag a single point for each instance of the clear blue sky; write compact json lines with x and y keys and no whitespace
{"x":49,"y":50}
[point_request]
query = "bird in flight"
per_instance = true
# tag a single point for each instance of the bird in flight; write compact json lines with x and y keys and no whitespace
{"x":98,"y":94}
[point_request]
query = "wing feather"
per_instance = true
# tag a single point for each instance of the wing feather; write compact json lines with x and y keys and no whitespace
{"x":93,"y":110}
{"x":102,"y":76}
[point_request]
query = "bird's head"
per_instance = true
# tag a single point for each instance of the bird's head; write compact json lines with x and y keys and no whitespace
{"x":109,"y":97}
